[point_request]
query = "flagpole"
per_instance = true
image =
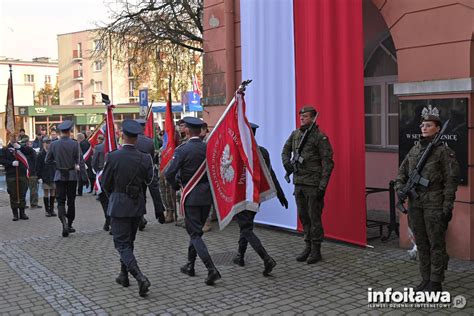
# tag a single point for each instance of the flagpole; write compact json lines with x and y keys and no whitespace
{"x":241,"y":88}
{"x":13,"y":108}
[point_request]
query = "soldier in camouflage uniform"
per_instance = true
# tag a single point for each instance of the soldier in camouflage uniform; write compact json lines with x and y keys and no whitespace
{"x":310,"y":178}
{"x":430,"y":213}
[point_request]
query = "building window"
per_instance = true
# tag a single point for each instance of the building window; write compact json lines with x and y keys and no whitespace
{"x":131,"y":88}
{"x":98,"y":86}
{"x":97,"y":45}
{"x":381,"y":114}
{"x":47,"y":79}
{"x":97,"y":66}
{"x":29,"y":78}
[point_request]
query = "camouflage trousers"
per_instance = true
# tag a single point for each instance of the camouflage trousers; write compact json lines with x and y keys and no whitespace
{"x":15,"y":200}
{"x":168,"y":195}
{"x":310,"y":209}
{"x":33,"y":186}
{"x":429,"y":229}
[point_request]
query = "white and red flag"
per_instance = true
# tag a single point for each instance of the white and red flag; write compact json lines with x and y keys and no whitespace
{"x":237,"y":173}
{"x":22,"y":159}
{"x":93,"y":141}
{"x":169,"y":141}
{"x":110,"y":144}
{"x":196,"y":88}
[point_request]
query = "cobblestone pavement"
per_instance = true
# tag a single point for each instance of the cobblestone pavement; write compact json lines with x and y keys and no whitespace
{"x":43,"y":273}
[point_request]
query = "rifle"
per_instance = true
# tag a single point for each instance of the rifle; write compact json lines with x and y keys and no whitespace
{"x":415,"y":177}
{"x":297,"y":158}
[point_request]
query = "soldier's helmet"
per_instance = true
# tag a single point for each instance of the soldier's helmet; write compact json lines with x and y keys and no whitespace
{"x":308,"y":109}
{"x":430,"y":114}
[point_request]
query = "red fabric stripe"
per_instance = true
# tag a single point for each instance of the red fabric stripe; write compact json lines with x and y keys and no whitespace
{"x":329,"y":75}
{"x":168,"y":150}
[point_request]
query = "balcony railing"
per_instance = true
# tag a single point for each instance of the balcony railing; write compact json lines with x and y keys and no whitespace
{"x":77,"y":54}
{"x":78,"y":74}
{"x":78,"y":94}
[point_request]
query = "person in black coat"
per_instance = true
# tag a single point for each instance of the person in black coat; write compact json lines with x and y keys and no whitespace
{"x":125,"y":172}
{"x":245,"y":219}
{"x":45,"y":172}
{"x":197,"y":204}
{"x":16,"y":186}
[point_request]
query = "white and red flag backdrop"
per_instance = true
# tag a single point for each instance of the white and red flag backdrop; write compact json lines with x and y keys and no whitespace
{"x":302,"y":52}
{"x":169,"y":141}
{"x":236,"y":171}
{"x":93,"y":141}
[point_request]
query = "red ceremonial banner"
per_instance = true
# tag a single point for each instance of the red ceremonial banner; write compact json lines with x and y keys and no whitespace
{"x":237,"y":174}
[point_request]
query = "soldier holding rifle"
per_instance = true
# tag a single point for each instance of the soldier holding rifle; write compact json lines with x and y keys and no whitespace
{"x":311,"y":165}
{"x":428,"y":177}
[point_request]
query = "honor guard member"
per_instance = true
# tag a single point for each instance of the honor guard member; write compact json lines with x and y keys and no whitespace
{"x":147,"y":146}
{"x":16,"y":175}
{"x":125,"y":172}
{"x":311,"y":173}
{"x":67,"y":155}
{"x":430,"y":212}
{"x":46,"y":174}
{"x":186,"y":161}
{"x":245,"y":220}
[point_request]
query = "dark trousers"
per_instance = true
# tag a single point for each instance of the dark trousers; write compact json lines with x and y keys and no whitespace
{"x":310,"y":209}
{"x":22,"y":188}
{"x":124,"y":230}
{"x":195,"y":218}
{"x":245,"y":221}
{"x":80,"y":185}
{"x":33,"y":186}
{"x":154,"y":188}
{"x":104,"y":202}
{"x":66,"y":191}
{"x":429,"y":228}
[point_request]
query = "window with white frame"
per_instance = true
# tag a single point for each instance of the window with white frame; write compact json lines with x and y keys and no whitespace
{"x":97,"y":45}
{"x":98,"y":86}
{"x":29,"y":78}
{"x":97,"y":65}
{"x":47,"y":79}
{"x":381,"y":105}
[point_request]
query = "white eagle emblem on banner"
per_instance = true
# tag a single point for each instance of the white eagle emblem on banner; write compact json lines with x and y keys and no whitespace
{"x":227,"y":172}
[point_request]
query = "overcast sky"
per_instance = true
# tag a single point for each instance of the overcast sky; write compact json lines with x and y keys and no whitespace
{"x":29,"y":28}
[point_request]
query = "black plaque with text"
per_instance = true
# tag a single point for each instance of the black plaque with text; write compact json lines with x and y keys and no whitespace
{"x":456,"y":133}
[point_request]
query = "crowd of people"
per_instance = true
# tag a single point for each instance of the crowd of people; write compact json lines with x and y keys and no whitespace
{"x":58,"y":163}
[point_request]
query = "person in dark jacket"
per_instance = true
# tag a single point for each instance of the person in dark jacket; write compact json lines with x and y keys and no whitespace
{"x":245,"y":219}
{"x":33,"y":177}
{"x":37,"y":142}
{"x":125,"y":172}
{"x":84,"y":180}
{"x":98,"y":161}
{"x":45,"y":172}
{"x":13,"y":158}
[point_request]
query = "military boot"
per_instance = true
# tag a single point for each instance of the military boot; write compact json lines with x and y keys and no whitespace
{"x":143,"y":282}
{"x":62,"y":218}
{"x":268,"y":261}
{"x":15,"y":214}
{"x":51,"y":206}
{"x":188,"y":268}
{"x":422,"y":286}
{"x":304,"y":255}
{"x":22,"y":214}
{"x":239,"y":257}
{"x":46,"y":207}
{"x":315,"y":254}
{"x":212,"y":274}
{"x":434,"y":287}
{"x":122,"y":278}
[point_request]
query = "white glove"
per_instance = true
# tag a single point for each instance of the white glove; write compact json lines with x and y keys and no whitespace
{"x":15,"y":163}
{"x":40,"y":180}
{"x":16,"y":146}
{"x":77,"y":167}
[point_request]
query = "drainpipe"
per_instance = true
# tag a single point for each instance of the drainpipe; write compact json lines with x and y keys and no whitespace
{"x":229,"y":19}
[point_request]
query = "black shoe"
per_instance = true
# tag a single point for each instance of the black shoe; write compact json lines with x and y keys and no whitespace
{"x":106,"y":227}
{"x":71,"y":229}
{"x":435,"y":287}
{"x":65,"y":232}
{"x":212,"y":275}
{"x":305,"y":254}
{"x":53,"y":214}
{"x":122,"y":278}
{"x":36,"y":206}
{"x":143,"y":282}
{"x":188,"y":269}
{"x":23,"y":215}
{"x":15,"y":214}
{"x":422,"y":286}
{"x":47,"y":214}
{"x":315,"y":254}
{"x":269,"y":265}
{"x":239,"y":260}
